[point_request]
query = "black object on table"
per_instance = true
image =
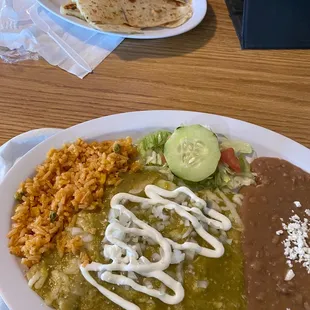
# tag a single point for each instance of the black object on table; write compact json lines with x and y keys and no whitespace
{"x":271,"y":24}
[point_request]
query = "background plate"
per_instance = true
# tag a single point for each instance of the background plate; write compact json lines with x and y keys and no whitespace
{"x":199,"y":12}
{"x":13,"y":286}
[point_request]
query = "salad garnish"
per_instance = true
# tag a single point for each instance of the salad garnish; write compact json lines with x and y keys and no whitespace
{"x":199,"y":158}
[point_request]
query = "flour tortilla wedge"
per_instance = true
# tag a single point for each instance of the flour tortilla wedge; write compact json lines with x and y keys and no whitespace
{"x":102,"y":11}
{"x":134,"y":13}
{"x":150,"y":13}
{"x":71,"y":9}
{"x":179,"y":22}
{"x":116,"y":28}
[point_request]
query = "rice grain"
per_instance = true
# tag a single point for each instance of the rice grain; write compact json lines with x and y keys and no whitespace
{"x":71,"y":179}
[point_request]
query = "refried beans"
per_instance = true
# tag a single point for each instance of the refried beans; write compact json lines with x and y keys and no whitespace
{"x":282,"y":191}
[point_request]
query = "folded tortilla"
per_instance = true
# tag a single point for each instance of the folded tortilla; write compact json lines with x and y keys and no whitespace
{"x":116,"y":28}
{"x":179,"y":22}
{"x":130,"y":16}
{"x":71,"y":10}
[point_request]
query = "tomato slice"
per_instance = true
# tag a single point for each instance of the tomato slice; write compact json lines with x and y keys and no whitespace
{"x":229,"y":158}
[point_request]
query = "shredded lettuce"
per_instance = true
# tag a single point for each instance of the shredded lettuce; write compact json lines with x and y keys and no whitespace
{"x":151,"y":148}
{"x":152,"y":145}
{"x":154,"y":159}
{"x":154,"y":141}
{"x":164,"y":170}
{"x":239,"y":147}
{"x":223,"y":177}
{"x":244,"y":164}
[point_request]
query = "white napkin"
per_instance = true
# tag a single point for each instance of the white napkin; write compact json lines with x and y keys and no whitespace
{"x":26,"y":26}
{"x":13,"y":150}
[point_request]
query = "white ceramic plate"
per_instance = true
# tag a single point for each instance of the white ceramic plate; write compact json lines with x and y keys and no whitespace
{"x":199,"y":12}
{"x":13,"y":286}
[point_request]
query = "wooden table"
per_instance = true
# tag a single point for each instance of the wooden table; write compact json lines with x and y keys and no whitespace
{"x":203,"y":70}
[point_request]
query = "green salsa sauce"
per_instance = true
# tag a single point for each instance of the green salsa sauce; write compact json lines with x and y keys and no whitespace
{"x":209,"y":283}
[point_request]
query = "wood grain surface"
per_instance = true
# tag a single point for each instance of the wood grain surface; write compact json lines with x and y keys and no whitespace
{"x":202,"y":70}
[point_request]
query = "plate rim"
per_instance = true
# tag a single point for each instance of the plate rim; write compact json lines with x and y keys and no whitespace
{"x":8,"y":293}
{"x":174,"y":31}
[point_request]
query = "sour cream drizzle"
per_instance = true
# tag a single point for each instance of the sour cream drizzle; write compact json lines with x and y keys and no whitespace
{"x":125,"y":257}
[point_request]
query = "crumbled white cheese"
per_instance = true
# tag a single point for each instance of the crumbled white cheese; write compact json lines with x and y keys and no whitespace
{"x":297,"y":204}
{"x":289,"y":275}
{"x":229,"y":241}
{"x":202,"y":284}
{"x":177,"y":257}
{"x":307,"y":211}
{"x":159,"y":213}
{"x":281,"y":219}
{"x":156,"y":257}
{"x":132,"y":275}
{"x":296,"y":248}
{"x":279,"y":232}
{"x":186,"y":223}
{"x":87,"y":238}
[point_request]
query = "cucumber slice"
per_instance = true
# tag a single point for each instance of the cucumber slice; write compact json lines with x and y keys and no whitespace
{"x":192,"y":153}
